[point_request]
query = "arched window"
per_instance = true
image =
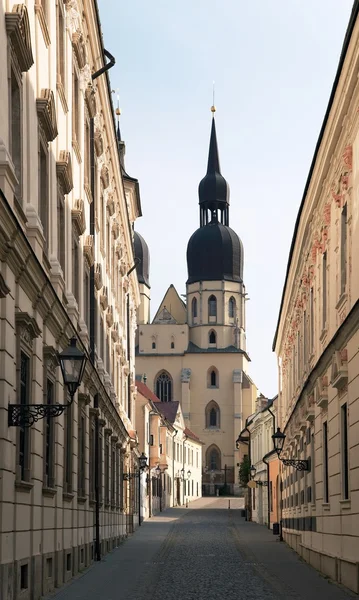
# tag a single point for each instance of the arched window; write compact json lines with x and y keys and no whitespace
{"x":212,"y":306}
{"x":163,"y":387}
{"x":153,"y":345}
{"x":213,"y":458}
{"x":212,"y":338}
{"x":172,"y":345}
{"x":231,"y":308}
{"x":212,"y":415}
{"x":212,"y":377}
{"x":194,"y":308}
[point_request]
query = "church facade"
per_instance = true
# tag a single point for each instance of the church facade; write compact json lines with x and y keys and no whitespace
{"x":194,"y":352}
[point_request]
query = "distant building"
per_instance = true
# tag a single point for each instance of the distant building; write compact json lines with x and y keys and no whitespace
{"x":317,"y":341}
{"x":194,"y":352}
{"x":175,"y":453}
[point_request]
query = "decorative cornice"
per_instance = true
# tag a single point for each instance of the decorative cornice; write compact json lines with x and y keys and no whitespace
{"x":45,"y":106}
{"x":51,"y":358}
{"x":18,"y":30}
{"x":89,"y":251}
{"x":98,"y":142}
{"x":78,"y":216}
{"x":42,"y":20}
{"x":115,"y":333}
{"x":64,"y":171}
{"x":4,"y":289}
{"x":90,"y":99}
{"x":84,"y":398}
{"x":339,"y":371}
{"x":105,"y":176}
{"x":79,"y":46}
{"x":27,"y":327}
{"x":98,"y":276}
{"x":104,"y":298}
{"x":109,"y":316}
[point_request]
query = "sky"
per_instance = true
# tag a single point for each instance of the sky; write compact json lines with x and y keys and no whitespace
{"x":273,"y":63}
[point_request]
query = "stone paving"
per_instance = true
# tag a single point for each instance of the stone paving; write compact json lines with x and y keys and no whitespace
{"x":205,"y":552}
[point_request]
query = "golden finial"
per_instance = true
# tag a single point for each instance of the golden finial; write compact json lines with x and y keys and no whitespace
{"x":213,"y":108}
{"x":117,"y":110}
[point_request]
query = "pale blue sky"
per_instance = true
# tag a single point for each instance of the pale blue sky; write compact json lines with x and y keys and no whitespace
{"x":274,"y":63}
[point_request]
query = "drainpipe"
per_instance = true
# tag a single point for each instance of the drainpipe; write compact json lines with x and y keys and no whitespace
{"x":183,"y":443}
{"x":267,"y":463}
{"x":93,"y":312}
{"x":173,"y":467}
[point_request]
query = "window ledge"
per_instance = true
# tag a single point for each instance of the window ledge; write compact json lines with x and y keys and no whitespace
{"x":50,"y":492}
{"x":326,"y":506}
{"x":62,"y":96}
{"x":345,"y":504}
{"x":81,"y":498}
{"x":24,"y":486}
{"x":68,"y":496}
{"x":323,"y":334}
{"x":342,"y":300}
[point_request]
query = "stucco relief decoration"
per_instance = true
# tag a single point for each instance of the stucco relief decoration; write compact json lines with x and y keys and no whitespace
{"x":64,"y":171}
{"x":125,"y":283}
{"x":90,"y":99}
{"x":105,"y":176}
{"x":78,"y":216}
{"x":51,"y":360}
{"x":89,"y":251}
{"x":339,"y":372}
{"x":108,"y":197}
{"x":45,"y":107}
{"x":115,"y":232}
{"x":109,"y":316}
{"x":27,"y":328}
{"x":79,"y":46}
{"x":73,"y":16}
{"x":98,"y":135}
{"x":85,"y":76}
{"x":115,"y":333}
{"x":18,"y":30}
{"x":104,"y":298}
{"x":4,"y":289}
{"x":186,"y":375}
{"x":342,"y":185}
{"x":98,"y":276}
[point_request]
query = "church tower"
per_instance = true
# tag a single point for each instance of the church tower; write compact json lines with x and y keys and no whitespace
{"x":215,"y":288}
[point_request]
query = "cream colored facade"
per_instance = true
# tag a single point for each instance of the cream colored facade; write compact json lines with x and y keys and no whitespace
{"x":177,"y":344}
{"x":261,"y":427}
{"x":317,"y":342}
{"x":47,"y":251}
{"x":170,"y":447}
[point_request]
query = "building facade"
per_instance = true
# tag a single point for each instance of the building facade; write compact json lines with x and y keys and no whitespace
{"x":264,"y":459}
{"x":194,"y":352}
{"x":67,"y":210}
{"x":317,"y":342}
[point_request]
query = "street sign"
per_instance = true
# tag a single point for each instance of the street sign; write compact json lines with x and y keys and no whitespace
{"x":251,"y":484}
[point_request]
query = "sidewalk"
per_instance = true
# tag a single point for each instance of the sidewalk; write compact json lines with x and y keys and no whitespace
{"x":281,"y":566}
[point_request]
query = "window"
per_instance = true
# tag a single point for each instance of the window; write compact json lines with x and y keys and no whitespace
{"x":212,"y":337}
{"x":194,"y":308}
{"x":345,"y":451}
{"x":61,"y":53}
{"x":16,"y":132}
{"x":312,"y":467}
{"x":49,"y":436}
{"x":24,"y":432}
{"x":113,"y":474}
{"x":68,"y":449}
{"x":81,"y":454}
{"x":324,"y":290}
{"x":43,"y":193}
{"x":311,"y":322}
{"x":86,"y":297}
{"x":61,"y":230}
{"x":107,"y":469}
{"x":92,"y":444}
{"x":213,"y":457}
{"x":153,"y":345}
{"x":305,"y":338}
{"x":75,"y":108}
{"x":24,"y":577}
{"x":129,"y":397}
{"x":163,"y":387}
{"x":232,"y":308}
{"x":87,"y":153}
{"x":212,"y":306}
{"x":75,"y":266}
{"x":325,"y":464}
{"x":343,"y":250}
{"x":172,"y":344}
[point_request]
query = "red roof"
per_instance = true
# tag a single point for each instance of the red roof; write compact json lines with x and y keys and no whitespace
{"x":191,"y":435}
{"x":146,"y":392}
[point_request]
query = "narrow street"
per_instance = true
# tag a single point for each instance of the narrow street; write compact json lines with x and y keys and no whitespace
{"x":205,"y":552}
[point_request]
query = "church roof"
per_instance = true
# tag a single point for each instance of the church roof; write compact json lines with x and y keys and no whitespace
{"x":142,"y":253}
{"x":194,"y":349}
{"x":213,"y":190}
{"x":168,"y":409}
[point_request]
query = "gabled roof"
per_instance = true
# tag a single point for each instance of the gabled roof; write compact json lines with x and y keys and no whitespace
{"x":146,"y":392}
{"x":192,"y":436}
{"x":348,"y":34}
{"x":174,"y":305}
{"x":168,"y":409}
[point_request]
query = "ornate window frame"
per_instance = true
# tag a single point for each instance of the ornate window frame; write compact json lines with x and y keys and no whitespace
{"x":50,"y":363}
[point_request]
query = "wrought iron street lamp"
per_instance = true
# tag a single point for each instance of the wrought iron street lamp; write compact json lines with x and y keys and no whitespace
{"x":72,"y":362}
{"x":253,"y":472}
{"x":278,"y":441}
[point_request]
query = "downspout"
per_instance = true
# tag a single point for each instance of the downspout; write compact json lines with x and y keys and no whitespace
{"x":93,"y":313}
{"x":249,"y":492}
{"x":267,"y":463}
{"x":173,"y":467}
{"x":183,"y":443}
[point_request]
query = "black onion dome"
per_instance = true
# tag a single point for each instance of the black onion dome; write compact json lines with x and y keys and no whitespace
{"x":215,"y":253}
{"x":213,"y":190}
{"x":142,"y":253}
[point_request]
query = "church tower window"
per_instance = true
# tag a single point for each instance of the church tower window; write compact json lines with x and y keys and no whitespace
{"x":194,"y":308}
{"x":231,"y":308}
{"x":212,"y":377}
{"x":213,"y":458}
{"x":212,"y":306}
{"x":163,"y":387}
{"x":212,"y":415}
{"x":212,"y":338}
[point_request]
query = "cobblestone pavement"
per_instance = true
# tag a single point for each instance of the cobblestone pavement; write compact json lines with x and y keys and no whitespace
{"x":206,"y":552}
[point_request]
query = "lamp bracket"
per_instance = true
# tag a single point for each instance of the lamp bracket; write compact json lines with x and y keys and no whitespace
{"x":300,"y":465}
{"x":25,"y":415}
{"x":129,"y":476}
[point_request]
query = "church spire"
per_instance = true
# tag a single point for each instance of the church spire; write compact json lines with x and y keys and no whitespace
{"x":213,"y":190}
